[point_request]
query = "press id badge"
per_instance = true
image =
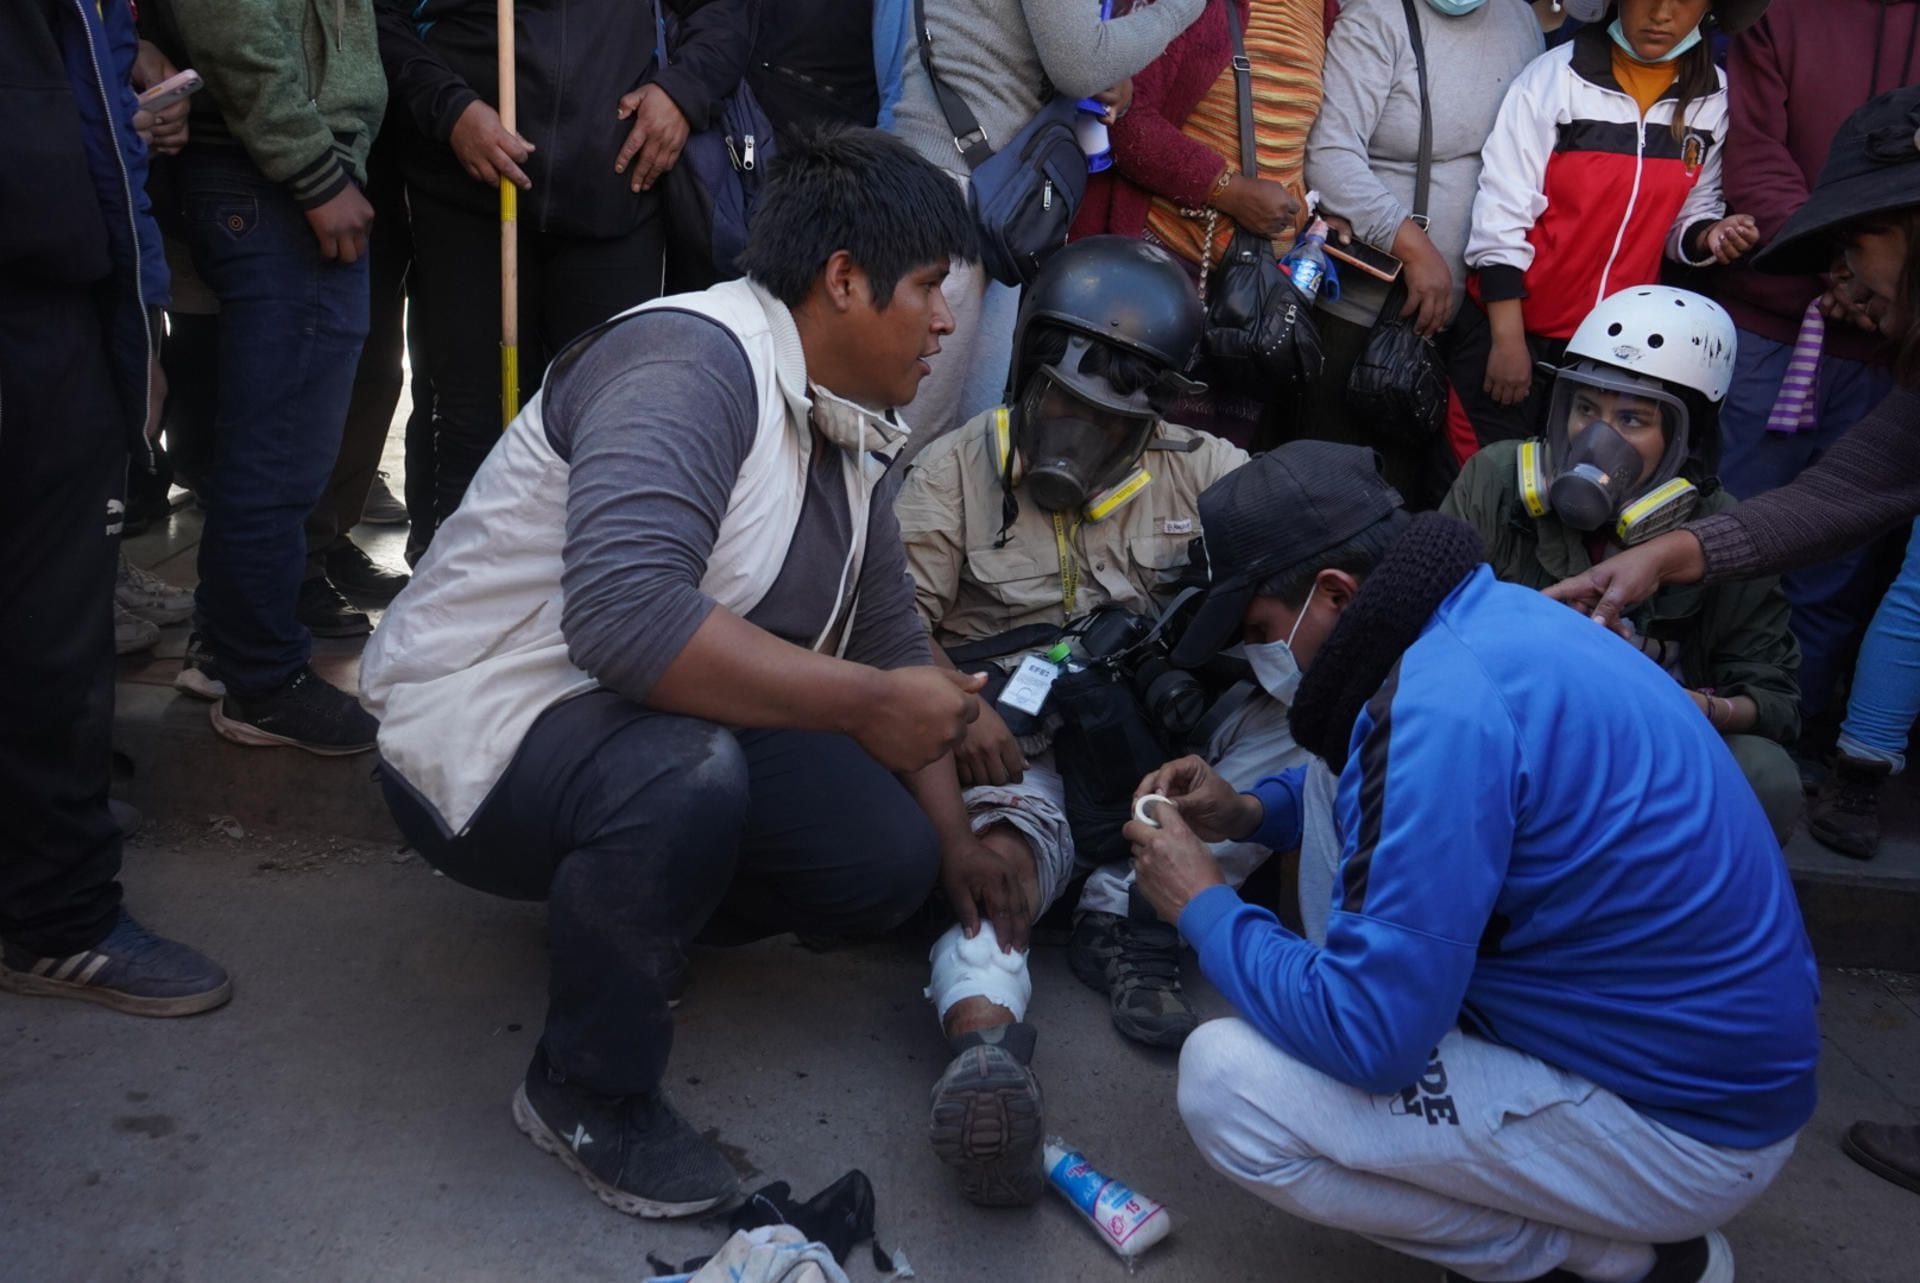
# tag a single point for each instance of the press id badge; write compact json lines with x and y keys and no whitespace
{"x":1027,"y":689}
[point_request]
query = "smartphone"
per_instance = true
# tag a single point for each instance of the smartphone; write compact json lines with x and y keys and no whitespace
{"x":1374,"y":262}
{"x":185,"y":84}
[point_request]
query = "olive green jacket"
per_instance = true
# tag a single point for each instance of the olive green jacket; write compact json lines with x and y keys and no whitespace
{"x":1733,"y":636}
{"x":298,"y":83}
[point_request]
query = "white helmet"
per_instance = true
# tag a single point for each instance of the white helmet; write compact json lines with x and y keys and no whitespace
{"x":1658,"y":332}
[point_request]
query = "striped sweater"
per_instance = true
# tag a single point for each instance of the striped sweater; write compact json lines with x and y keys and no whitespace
{"x":298,"y":83}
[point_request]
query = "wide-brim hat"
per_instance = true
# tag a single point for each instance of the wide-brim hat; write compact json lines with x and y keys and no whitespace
{"x":1873,"y":167}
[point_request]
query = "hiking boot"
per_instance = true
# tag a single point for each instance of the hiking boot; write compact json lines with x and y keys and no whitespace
{"x":132,"y":970}
{"x":1888,"y":1150}
{"x":1137,"y":965}
{"x":143,"y":593}
{"x":353,"y":572}
{"x":988,"y":1118}
{"x":1845,"y":814}
{"x":382,"y":507}
{"x":306,"y":712}
{"x":635,"y":1152}
{"x":199,"y":676}
{"x":132,"y":634}
{"x":327,"y":614}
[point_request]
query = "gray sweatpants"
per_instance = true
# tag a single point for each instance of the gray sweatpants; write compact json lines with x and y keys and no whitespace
{"x":1494,"y":1164}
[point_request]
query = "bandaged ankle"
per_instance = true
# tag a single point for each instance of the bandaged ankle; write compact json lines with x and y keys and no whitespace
{"x":977,"y":968}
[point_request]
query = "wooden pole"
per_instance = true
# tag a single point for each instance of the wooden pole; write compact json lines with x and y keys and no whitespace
{"x":509,"y":227}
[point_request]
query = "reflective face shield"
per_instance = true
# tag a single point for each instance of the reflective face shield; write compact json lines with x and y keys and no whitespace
{"x":1615,"y":445}
{"x":1076,"y":435}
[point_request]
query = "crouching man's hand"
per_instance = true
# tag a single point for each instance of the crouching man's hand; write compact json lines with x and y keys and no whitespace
{"x":990,"y":753}
{"x":1211,"y":807}
{"x":919,"y":715}
{"x":1171,"y":864}
{"x":992,"y":877}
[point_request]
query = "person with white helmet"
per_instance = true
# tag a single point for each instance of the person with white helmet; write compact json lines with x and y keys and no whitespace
{"x":1628,"y":454}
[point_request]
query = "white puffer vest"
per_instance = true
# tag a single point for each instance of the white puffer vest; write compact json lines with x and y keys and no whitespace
{"x":471,"y":653}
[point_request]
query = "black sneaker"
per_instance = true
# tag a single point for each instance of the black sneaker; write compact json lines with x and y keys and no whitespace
{"x":988,"y":1117}
{"x":1845,"y":814}
{"x":635,"y":1152}
{"x":1137,"y":965}
{"x":132,"y":970}
{"x":382,"y":507}
{"x":353,"y":572}
{"x":199,"y":674}
{"x":306,"y":713}
{"x":327,"y":614}
{"x":1707,"y":1259}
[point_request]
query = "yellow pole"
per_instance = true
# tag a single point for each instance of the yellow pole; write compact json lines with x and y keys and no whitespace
{"x":509,"y":228}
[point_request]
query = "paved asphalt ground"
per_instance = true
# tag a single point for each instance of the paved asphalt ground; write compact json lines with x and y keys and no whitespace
{"x":347,"y":1116}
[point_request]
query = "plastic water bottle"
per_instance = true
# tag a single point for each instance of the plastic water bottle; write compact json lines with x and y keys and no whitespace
{"x":1089,"y":130}
{"x":1307,"y":261}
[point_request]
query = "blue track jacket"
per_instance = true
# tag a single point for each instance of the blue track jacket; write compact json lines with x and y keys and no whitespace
{"x":1548,"y":845}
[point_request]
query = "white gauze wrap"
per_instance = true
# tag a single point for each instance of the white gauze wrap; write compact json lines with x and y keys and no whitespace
{"x":977,"y":968}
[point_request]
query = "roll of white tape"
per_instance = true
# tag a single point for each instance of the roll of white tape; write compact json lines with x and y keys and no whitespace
{"x":1145,"y":816}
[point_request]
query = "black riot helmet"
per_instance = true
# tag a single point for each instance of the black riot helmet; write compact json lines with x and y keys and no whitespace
{"x":1077,"y":429}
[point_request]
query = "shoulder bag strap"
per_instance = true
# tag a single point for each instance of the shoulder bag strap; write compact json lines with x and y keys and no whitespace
{"x":1243,"y":92}
{"x":1423,"y":174}
{"x":969,"y":139}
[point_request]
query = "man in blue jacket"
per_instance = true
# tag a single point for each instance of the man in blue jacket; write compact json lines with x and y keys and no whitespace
{"x":81,"y":285}
{"x":1562,"y":1023}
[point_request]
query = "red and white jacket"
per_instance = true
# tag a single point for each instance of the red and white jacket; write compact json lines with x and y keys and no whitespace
{"x":1578,"y":195}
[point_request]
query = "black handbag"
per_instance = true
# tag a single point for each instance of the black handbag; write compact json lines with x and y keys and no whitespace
{"x":1397,"y":386}
{"x":1260,"y":336}
{"x":1023,"y":195}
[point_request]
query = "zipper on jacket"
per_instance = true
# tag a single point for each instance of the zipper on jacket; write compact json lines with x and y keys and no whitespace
{"x":1633,"y":198}
{"x":133,"y":226}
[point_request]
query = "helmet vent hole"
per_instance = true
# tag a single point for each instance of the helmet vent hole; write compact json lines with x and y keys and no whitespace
{"x":1679,"y":302}
{"x":1656,"y":340}
{"x":1613,"y":331}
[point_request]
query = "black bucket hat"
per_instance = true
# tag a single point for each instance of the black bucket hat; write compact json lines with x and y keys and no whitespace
{"x":1872,"y":168}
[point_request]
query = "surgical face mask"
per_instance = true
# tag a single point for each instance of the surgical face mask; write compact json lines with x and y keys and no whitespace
{"x":1076,"y":435}
{"x":1454,"y":8}
{"x":1619,"y":35}
{"x":1274,"y":665}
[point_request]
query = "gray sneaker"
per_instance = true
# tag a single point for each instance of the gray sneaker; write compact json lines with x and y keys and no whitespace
{"x":382,"y":507}
{"x":1137,"y":965}
{"x":132,"y":970}
{"x":988,"y":1117}
{"x":132,"y":634}
{"x":143,"y":593}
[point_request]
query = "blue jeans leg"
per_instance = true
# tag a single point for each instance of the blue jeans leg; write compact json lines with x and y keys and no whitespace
{"x":1826,"y":608}
{"x":1886,"y":682}
{"x":291,"y":327}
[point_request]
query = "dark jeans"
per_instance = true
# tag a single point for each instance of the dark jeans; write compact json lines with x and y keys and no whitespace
{"x":1471,"y":345}
{"x":640,"y":829}
{"x":567,"y":286}
{"x":379,"y":375}
{"x":1833,"y":599}
{"x":66,"y":436}
{"x":291,"y":327}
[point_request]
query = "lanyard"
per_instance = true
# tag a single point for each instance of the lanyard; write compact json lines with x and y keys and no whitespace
{"x":1069,"y":568}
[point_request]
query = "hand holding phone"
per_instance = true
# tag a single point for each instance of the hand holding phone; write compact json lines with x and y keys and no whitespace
{"x":162,"y":117}
{"x":175,"y":88}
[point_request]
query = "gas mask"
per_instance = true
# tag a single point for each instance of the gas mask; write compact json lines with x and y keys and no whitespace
{"x":1588,"y":471}
{"x":1076,"y":436}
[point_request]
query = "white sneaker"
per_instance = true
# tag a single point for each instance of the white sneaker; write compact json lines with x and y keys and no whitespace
{"x":152,"y":598}
{"x":132,"y":633}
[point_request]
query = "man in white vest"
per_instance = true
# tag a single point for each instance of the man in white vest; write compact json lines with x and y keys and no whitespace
{"x":662,"y":667}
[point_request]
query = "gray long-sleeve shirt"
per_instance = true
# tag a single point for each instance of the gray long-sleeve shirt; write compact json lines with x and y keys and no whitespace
{"x":1365,"y":147}
{"x":655,"y":417}
{"x":997,"y":54}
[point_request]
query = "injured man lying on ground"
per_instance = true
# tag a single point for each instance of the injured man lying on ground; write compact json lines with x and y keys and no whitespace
{"x":1560,"y":1020}
{"x":1046,"y":541}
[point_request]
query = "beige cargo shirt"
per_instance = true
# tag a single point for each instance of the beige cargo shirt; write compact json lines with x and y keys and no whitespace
{"x":967,"y":589}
